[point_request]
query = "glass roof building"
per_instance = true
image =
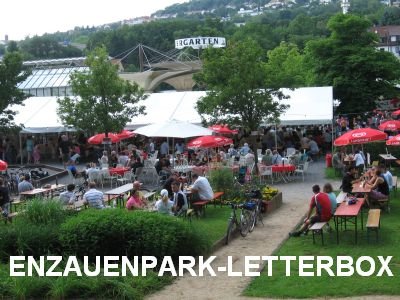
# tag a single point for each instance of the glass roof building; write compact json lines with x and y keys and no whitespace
{"x":51,"y":77}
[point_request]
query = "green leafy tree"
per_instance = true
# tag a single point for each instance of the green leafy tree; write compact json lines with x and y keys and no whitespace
{"x":237,"y":91}
{"x":104,"y":101}
{"x":11,"y":74}
{"x":288,"y":68}
{"x":349,"y":61}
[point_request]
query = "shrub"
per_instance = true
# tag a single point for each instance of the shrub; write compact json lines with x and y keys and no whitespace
{"x":119,"y":232}
{"x":221,"y":180}
{"x":45,"y":212}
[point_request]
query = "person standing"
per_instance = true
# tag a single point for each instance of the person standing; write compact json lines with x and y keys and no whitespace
{"x":29,"y":148}
{"x":64,"y":149}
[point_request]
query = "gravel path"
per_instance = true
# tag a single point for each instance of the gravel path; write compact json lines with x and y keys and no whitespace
{"x":262,"y":241}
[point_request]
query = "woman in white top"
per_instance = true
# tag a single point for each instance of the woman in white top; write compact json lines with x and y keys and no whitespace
{"x":359,"y":159}
{"x":164,"y":205}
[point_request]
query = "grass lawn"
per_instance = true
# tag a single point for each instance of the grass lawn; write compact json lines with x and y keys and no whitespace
{"x":215,"y":222}
{"x":278,"y":285}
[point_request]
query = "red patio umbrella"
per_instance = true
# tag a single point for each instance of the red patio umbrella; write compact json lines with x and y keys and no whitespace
{"x":396,"y":113}
{"x":224,"y":129}
{"x":125,"y":134}
{"x":391,"y":125}
{"x":3,"y":165}
{"x":209,"y":141}
{"x":98,"y":138}
{"x":360,"y":136}
{"x":394,"y":141}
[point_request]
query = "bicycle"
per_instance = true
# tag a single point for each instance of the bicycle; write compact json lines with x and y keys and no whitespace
{"x":255,"y":197}
{"x":243,"y":223}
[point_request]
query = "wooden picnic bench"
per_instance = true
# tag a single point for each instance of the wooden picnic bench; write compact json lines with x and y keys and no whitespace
{"x":373,"y":222}
{"x":199,"y":206}
{"x":318,"y":228}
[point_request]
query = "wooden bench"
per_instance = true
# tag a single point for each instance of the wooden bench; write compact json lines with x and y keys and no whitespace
{"x":10,"y":217}
{"x":373,"y":222}
{"x":217,"y":197}
{"x":318,"y":228}
{"x":200,"y":207}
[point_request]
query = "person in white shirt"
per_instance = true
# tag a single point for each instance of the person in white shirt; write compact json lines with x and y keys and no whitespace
{"x":202,"y":187}
{"x":164,"y":205}
{"x":358,"y":158}
{"x":388,"y":177}
{"x":249,"y":158}
{"x":68,"y":197}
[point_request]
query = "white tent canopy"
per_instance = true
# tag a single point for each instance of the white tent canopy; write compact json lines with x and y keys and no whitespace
{"x":39,"y":115}
{"x":312,"y":105}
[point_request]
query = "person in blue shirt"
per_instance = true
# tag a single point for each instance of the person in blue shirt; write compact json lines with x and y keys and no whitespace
{"x":388,"y":176}
{"x":245,"y":149}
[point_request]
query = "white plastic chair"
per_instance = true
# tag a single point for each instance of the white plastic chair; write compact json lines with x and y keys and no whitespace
{"x":107,"y":177}
{"x":265,"y":171}
{"x":302,"y":169}
{"x":126,"y":178}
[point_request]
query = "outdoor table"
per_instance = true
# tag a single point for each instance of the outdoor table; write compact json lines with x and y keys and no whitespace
{"x":348,"y":213}
{"x":34,"y":192}
{"x":387,"y":158}
{"x":56,"y":187}
{"x":358,"y":187}
{"x":119,"y":192}
{"x":118,"y":171}
{"x":282,"y":171}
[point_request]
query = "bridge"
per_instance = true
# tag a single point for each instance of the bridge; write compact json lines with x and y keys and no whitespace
{"x":174,"y":69}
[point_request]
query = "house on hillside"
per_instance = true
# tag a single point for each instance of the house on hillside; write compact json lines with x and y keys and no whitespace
{"x":389,"y":38}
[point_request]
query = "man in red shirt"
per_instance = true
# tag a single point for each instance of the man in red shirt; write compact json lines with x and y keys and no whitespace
{"x":321,"y":203}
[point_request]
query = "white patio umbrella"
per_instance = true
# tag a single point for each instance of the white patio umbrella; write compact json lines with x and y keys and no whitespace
{"x":174,"y":129}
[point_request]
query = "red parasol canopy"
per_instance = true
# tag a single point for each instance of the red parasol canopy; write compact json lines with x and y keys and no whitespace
{"x":224,"y":129}
{"x":3,"y":165}
{"x":360,"y":136}
{"x":126,"y":134}
{"x":391,"y":125}
{"x":394,"y":141}
{"x":209,"y":141}
{"x":396,"y":113}
{"x":98,"y":138}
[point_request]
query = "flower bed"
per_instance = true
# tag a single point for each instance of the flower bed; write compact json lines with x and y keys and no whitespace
{"x":272,"y":199}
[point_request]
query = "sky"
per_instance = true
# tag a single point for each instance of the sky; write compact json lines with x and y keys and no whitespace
{"x":22,"y":18}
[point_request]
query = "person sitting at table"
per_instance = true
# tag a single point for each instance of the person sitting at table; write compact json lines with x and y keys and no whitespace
{"x":168,"y":183}
{"x":68,"y":197}
{"x":388,"y":176}
{"x":379,"y":189}
{"x":104,"y":159}
{"x":136,"y":164}
{"x":4,"y":200}
{"x":276,"y":158}
{"x":332,"y":197}
{"x":180,"y":201}
{"x":348,"y":180}
{"x":113,"y":160}
{"x":25,"y":185}
{"x":164,"y":205}
{"x":93,"y":197}
{"x":296,"y":158}
{"x":202,"y":187}
{"x":232,"y":151}
{"x":323,"y":211}
{"x":245,"y":149}
{"x":249,"y":158}
{"x":136,"y":199}
{"x":163,"y":167}
{"x":179,"y":159}
{"x":123,"y":159}
{"x":267,"y":158}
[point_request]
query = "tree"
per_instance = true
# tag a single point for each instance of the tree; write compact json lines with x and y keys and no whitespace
{"x":104,"y":101}
{"x":235,"y":80}
{"x":286,"y":67}
{"x":349,"y":61}
{"x":11,"y":74}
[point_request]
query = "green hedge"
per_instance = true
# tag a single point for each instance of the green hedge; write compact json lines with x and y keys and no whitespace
{"x":119,"y":232}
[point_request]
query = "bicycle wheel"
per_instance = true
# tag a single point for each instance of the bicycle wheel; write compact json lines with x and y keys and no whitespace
{"x":259,"y":215}
{"x":245,"y":222}
{"x":253,"y":219}
{"x":230,"y":230}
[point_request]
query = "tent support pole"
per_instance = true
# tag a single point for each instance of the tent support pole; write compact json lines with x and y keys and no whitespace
{"x":20,"y":148}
